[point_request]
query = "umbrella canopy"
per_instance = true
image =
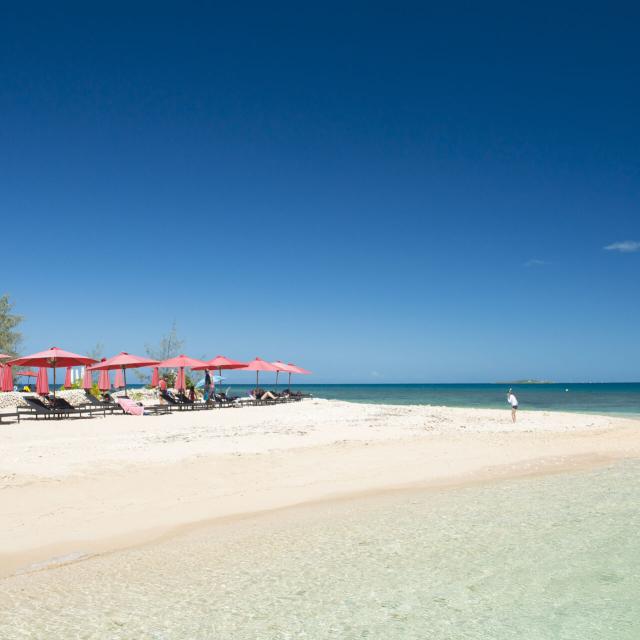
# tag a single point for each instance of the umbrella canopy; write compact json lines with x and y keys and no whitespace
{"x":7,"y":378}
{"x":124,"y":360}
{"x":3,"y":356}
{"x":259,"y":365}
{"x":27,"y":374}
{"x":282,"y":366}
{"x":53,"y":358}
{"x":121,"y":362}
{"x":67,"y":379}
{"x":42,"y":382}
{"x":294,"y":369}
{"x":155,"y":377}
{"x":87,"y":379}
{"x":182,"y":361}
{"x":222,"y":362}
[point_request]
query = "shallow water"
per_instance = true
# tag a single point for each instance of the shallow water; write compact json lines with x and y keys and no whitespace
{"x":554,"y":557}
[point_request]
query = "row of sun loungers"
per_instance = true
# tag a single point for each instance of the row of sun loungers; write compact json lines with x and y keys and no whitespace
{"x":58,"y":408}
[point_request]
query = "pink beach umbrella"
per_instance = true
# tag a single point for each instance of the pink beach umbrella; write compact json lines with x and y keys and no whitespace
{"x":259,"y":365}
{"x":42,"y":382}
{"x":220,"y":363}
{"x":87,"y":379}
{"x":294,"y":369}
{"x":180,"y":362}
{"x":67,"y":378}
{"x":121,"y":363}
{"x":284,"y":367}
{"x":53,"y":358}
{"x":7,"y":378}
{"x":155,"y":377}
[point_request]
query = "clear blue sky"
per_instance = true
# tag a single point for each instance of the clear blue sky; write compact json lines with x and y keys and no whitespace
{"x":378,"y":192}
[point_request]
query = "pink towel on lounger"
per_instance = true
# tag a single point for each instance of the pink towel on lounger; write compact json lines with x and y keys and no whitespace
{"x":131,"y":407}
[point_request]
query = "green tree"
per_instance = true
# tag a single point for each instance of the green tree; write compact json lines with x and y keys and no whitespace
{"x":97,"y":352}
{"x":9,"y":338}
{"x":170,"y":346}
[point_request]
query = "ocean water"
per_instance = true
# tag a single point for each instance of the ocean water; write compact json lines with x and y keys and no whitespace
{"x":608,"y":398}
{"x":552,"y":557}
{"x":603,"y":398}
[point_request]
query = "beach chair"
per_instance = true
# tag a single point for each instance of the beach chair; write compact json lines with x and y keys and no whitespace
{"x":5,"y":416}
{"x":39,"y":409}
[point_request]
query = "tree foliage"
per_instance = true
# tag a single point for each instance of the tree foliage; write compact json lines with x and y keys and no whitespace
{"x":169,"y":346}
{"x":97,"y":352}
{"x":9,"y":338}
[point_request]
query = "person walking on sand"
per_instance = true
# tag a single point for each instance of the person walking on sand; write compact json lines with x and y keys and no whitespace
{"x":513,"y":401}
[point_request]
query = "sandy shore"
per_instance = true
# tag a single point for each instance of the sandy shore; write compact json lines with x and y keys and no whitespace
{"x":77,"y":487}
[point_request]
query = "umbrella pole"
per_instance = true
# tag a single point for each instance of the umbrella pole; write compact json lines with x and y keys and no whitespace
{"x":277,"y":374}
{"x":289,"y":380}
{"x":124,"y":377}
{"x":54,"y":379}
{"x":257,"y":383}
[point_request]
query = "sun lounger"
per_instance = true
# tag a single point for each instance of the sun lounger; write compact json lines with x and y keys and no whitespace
{"x":58,"y":408}
{"x":96,"y":402}
{"x":5,"y":416}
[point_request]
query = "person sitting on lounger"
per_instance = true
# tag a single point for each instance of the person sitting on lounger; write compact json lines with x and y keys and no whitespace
{"x":192,"y":394}
{"x":261,"y":394}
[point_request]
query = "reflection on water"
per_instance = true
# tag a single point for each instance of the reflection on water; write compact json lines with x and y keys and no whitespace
{"x":544,"y":558}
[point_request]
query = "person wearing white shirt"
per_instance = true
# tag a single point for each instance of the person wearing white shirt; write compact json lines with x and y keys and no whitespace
{"x":513,"y":401}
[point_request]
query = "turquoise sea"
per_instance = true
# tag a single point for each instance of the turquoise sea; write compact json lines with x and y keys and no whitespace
{"x":547,"y":558}
{"x":611,"y":398}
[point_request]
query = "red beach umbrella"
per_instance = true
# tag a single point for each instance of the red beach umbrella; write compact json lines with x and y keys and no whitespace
{"x":281,"y":366}
{"x":295,"y":369}
{"x":121,"y":363}
{"x":67,"y":379}
{"x":87,"y":379}
{"x":180,"y":362}
{"x":259,"y":365}
{"x":3,"y":356}
{"x":53,"y":358}
{"x":7,"y":378}
{"x":155,"y":377}
{"x":220,"y":363}
{"x":42,"y":382}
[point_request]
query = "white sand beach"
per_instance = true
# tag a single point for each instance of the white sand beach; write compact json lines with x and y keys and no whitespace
{"x":73,"y":488}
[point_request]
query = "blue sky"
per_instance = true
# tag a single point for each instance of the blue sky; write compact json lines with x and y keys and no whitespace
{"x":379,"y":192}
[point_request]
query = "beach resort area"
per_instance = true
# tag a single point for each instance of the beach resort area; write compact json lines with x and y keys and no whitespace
{"x":319,"y":321}
{"x":276,"y":518}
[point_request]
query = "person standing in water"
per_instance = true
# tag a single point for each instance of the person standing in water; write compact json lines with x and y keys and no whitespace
{"x":513,"y":401}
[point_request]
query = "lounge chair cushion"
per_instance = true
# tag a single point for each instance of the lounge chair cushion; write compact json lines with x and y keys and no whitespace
{"x":131,"y":407}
